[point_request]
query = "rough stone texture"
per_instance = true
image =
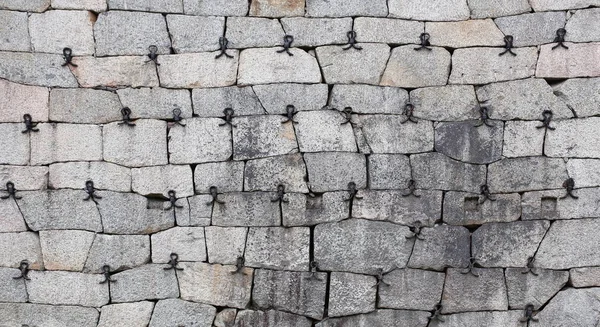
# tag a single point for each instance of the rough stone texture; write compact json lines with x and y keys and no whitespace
{"x":278,"y":248}
{"x":202,"y":140}
{"x":262,"y":136}
{"x":572,"y":307}
{"x":380,"y":317}
{"x":156,"y":103}
{"x":526,"y":174}
{"x":54,"y":143}
{"x":175,"y":311}
{"x":215,"y":284}
{"x":291,"y":291}
{"x":225,"y":317}
{"x":526,"y":289}
{"x":148,"y":282}
{"x":574,"y":138}
{"x":34,"y":5}
{"x":411,"y":289}
{"x":332,"y":171}
{"x":585,"y":277}
{"x":262,"y":66}
{"x":544,"y":5}
{"x":14,"y":150}
{"x":49,"y":32}
{"x":468,"y":33}
{"x":465,"y":292}
{"x":246,"y":209}
{"x":268,"y":173}
{"x":270,"y":318}
{"x":388,"y":134}
{"x":106,"y":176}
{"x":65,"y":249}
{"x":423,"y":68}
{"x":216,"y":7}
{"x":388,"y":171}
{"x":226,"y":176}
{"x":569,"y":244}
{"x":490,"y":66}
{"x":35,"y":69}
{"x":497,"y":8}
{"x":120,"y":252}
{"x":69,"y":288}
{"x":385,"y":30}
{"x":581,"y":26}
{"x":131,"y":71}
{"x":84,"y":106}
{"x":445,"y":103}
{"x":276,"y":97}
{"x":225,"y":244}
{"x":17,"y":314}
{"x":464,"y":141}
{"x":163,"y":6}
{"x":306,"y":210}
{"x":194,"y":70}
{"x":135,"y":314}
{"x":523,"y":139}
{"x":277,"y":8}
{"x":551,"y":205}
{"x":14,"y":34}
{"x":353,"y":66}
{"x":580,"y":61}
{"x":211,"y":102}
{"x":351,"y":294}
{"x":445,"y":10}
{"x":253,"y":32}
{"x":162,"y":179}
{"x":532,"y":29}
{"x":584,"y":171}
{"x":580,"y":94}
{"x":199,"y":212}
{"x":144,"y":144}
{"x":93,"y":5}
{"x":17,"y":99}
{"x":320,"y":131}
{"x":187,"y":242}
{"x":11,"y":219}
{"x":314,"y":32}
{"x":436,"y":171}
{"x":369,"y":99}
{"x":25,"y":177}
{"x":392,"y":206}
{"x":492,"y":319}
{"x":443,"y":246}
{"x":12,"y":290}
{"x":339,"y":8}
{"x":462,"y":208}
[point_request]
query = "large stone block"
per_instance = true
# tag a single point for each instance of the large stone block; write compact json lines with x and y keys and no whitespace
{"x":580,"y":94}
{"x":381,"y":317}
{"x":393,"y":206}
{"x":148,"y":282}
{"x":332,"y":171}
{"x":523,"y":139}
{"x":466,"y":292}
{"x":246,"y":209}
{"x":270,"y":318}
{"x":11,"y":219}
{"x":35,"y":69}
{"x":307,"y":210}
{"x":199,"y":212}
{"x":69,"y":288}
{"x":14,"y":150}
{"x":586,"y":172}
{"x":312,"y":32}
{"x":134,"y":314}
{"x":572,"y":307}
{"x":66,"y":142}
{"x":161,"y":6}
{"x":551,"y":204}
{"x":545,"y":5}
{"x":84,"y":106}
{"x":423,"y":68}
{"x":262,"y":136}
{"x":351,"y":294}
{"x":276,"y":97}
{"x":411,"y":289}
{"x":12,"y":290}
{"x":119,"y":252}
{"x":203,"y":140}
{"x":339,"y":8}
{"x":369,"y":99}
{"x":509,"y":318}
{"x":18,"y":99}
{"x":17,"y":314}
{"x":187,"y":242}
{"x":25,"y":177}
{"x":524,"y":289}
{"x":106,"y":176}
{"x":156,"y":103}
{"x":211,"y":102}
{"x":569,"y":244}
{"x":498,"y":8}
{"x":225,"y":244}
{"x":278,"y":248}
{"x":227,"y":176}
{"x":352,"y":66}
{"x":268,"y":173}
{"x":389,"y":171}
{"x":585,"y":277}
{"x":92,"y":5}
{"x":320,"y":131}
{"x":466,"y":209}
{"x":581,"y":60}
{"x":388,"y":134}
{"x":445,"y":103}
{"x":144,"y":144}
{"x":15,"y":33}
{"x":532,"y":29}
{"x":133,"y":71}
{"x":33,"y":6}
{"x":277,"y":8}
{"x":445,"y":10}
{"x":162,"y":179}
{"x":65,"y":249}
{"x":582,"y":26}
{"x":466,"y":142}
{"x":216,"y":7}
{"x":194,"y":70}
{"x":468,"y":33}
{"x":436,"y":171}
{"x":484,"y":65}
{"x":526,"y":174}
{"x":51,"y":34}
{"x":387,"y":30}
{"x":574,"y":138}
{"x":253,"y":32}
{"x":265,"y":65}
{"x":442,"y":246}
{"x":181,"y":313}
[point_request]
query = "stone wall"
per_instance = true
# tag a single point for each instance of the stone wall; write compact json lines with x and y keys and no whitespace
{"x":299,"y":163}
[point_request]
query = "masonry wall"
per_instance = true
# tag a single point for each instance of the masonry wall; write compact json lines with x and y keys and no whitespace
{"x":291,"y":163}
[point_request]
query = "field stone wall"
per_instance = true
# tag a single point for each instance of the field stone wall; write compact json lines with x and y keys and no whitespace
{"x":299,"y":163}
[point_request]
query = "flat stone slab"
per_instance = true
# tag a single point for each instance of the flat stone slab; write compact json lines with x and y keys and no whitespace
{"x":351,"y":294}
{"x":466,"y":292}
{"x":352,"y":66}
{"x":54,"y":143}
{"x":433,"y":103}
{"x":278,"y":248}
{"x":369,"y":99}
{"x":134,"y":314}
{"x":156,"y":103}
{"x":66,"y":249}
{"x":69,"y":288}
{"x":93,"y":5}
{"x":320,"y":131}
{"x":572,"y":307}
{"x":49,"y":32}
{"x":585,"y":277}
{"x":268,"y":173}
{"x":148,"y":282}
{"x":314,"y":32}
{"x":187,"y":242}
{"x":523,"y":139}
{"x":227,"y":176}
{"x":17,"y":149}
{"x":185,"y":38}
{"x":106,"y":176}
{"x":461,"y":208}
{"x":524,"y":289}
{"x":246,"y":209}
{"x":579,"y":61}
{"x":35,"y":69}
{"x":466,"y":142}
{"x":25,"y":177}
{"x":18,"y":99}
{"x":381,"y":317}
{"x":580,"y":94}
{"x":437,"y":171}
{"x":544,"y":5}
{"x":174,"y":311}
{"x":306,"y":210}
{"x":131,"y":71}
{"x":446,"y":10}
{"x":262,"y":136}
{"x":388,"y":134}
{"x":199,"y":212}
{"x":271,"y":318}
{"x":194,"y":70}
{"x":389,"y":171}
{"x":16,"y":36}
{"x":387,"y":30}
{"x":332,"y":171}
{"x":17,"y":314}
{"x":484,"y":8}
{"x":202,"y":140}
{"x":468,"y":33}
{"x":276,"y":97}
{"x":581,"y":26}
{"x":84,"y":106}
{"x":442,"y":246}
{"x":569,"y":244}
{"x":339,"y":8}
{"x":253,"y":32}
{"x":12,"y":290}
{"x":411,"y":289}
{"x":526,"y":174}
{"x":120,"y":252}
{"x":574,"y":138}
{"x":265,"y":65}
{"x":406,"y":68}
{"x":216,"y":8}
{"x":394,"y":207}
{"x":164,"y":6}
{"x":268,"y":8}
{"x":491,"y":67}
{"x":211,"y":102}
{"x":11,"y":218}
{"x":532,"y":29}
{"x":225,"y":244}
{"x":551,"y":204}
{"x":162,"y":179}
{"x":144,"y":144}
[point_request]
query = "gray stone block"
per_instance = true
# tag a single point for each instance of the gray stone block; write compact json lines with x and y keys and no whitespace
{"x":586,"y":172}
{"x":468,"y":33}
{"x":162,"y":179}
{"x":18,"y":99}
{"x":278,"y":248}
{"x":368,"y":99}
{"x":312,"y":32}
{"x":484,"y":65}
{"x":290,"y":291}
{"x":14,"y":150}
{"x":411,"y":289}
{"x":306,"y":210}
{"x":225,"y":316}
{"x":445,"y":103}
{"x":532,"y":29}
{"x":246,"y":209}
{"x":349,"y":246}
{"x":466,"y":209}
{"x":572,"y":307}
{"x":585,"y":277}
{"x":583,"y":27}
{"x":156,"y":103}
{"x":574,"y":138}
{"x":351,"y":66}
{"x":484,"y":8}
{"x":92,"y":5}
{"x":148,"y":282}
{"x":194,"y":70}
{"x":270,"y":318}
{"x":65,"y":249}
{"x":35,"y":69}
{"x":54,"y":143}
{"x":25,"y":177}
{"x":465,"y":292}
{"x":144,"y":144}
{"x":215,"y":284}
{"x":338,"y":8}
{"x":281,"y":8}
{"x":187,"y":242}
{"x":509,"y":318}
{"x":524,"y":289}
{"x":211,"y":102}
{"x":17,"y":314}
{"x":202,"y":140}
{"x":392,"y":206}
{"x":523,"y":139}
{"x":68,"y":288}
{"x":332,"y":171}
{"x":265,"y":65}
{"x":580,"y":61}
{"x":443,"y":246}
{"x":11,"y":218}
{"x":33,"y":6}
{"x":262,"y":136}
{"x":436,"y":171}
{"x":106,"y":176}
{"x":50,"y":34}
{"x":406,"y":68}
{"x":386,"y":30}
{"x":544,"y":5}
{"x":84,"y":106}
{"x":580,"y":94}
{"x":120,"y":252}
{"x":126,"y":314}
{"x":195,"y":33}
{"x":12,"y":290}
{"x":133,"y":71}
{"x":253,"y":32}
{"x":174,"y":311}
{"x":445,"y":10}
{"x":526,"y":174}
{"x":199,"y":212}
{"x":123,"y":33}
{"x":276,"y":97}
{"x":216,"y":7}
{"x":569,"y":244}
{"x":225,"y":244}
{"x":320,"y":131}
{"x":466,"y":142}
{"x":266,"y":174}
{"x":15,"y":34}
{"x":551,"y":204}
{"x":388,"y":134}
{"x":381,"y":317}
{"x":161,"y":6}
{"x":388,"y":171}
{"x":351,"y":294}
{"x":227,"y":176}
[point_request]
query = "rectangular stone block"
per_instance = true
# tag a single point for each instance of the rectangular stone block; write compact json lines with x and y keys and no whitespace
{"x":574,"y":138}
{"x":323,"y":130}
{"x":25,"y":177}
{"x":468,"y":33}
{"x":332,"y":171}
{"x":569,"y":244}
{"x":271,"y":318}
{"x":441,"y":247}
{"x":133,"y":71}
{"x":581,"y":60}
{"x":341,"y":66}
{"x":278,"y":248}
{"x":162,"y":180}
{"x":389,"y":171}
{"x":552,"y":204}
{"x":411,"y":289}
{"x":387,"y":134}
{"x":466,"y":142}
{"x":216,"y":7}
{"x":262,"y":136}
{"x":106,"y":176}
{"x":493,"y":318}
{"x":369,"y":99}
{"x":187,"y":242}
{"x":144,"y":144}
{"x":199,"y":211}
{"x":12,"y":290}
{"x":461,"y":208}
{"x":17,"y":247}
{"x":381,"y":317}
{"x":92,"y":5}
{"x":84,"y":106}
{"x":532,"y":29}
{"x":523,"y":139}
{"x":524,"y":289}
{"x":161,"y":6}
{"x":227,"y":176}
{"x":253,"y":32}
{"x":445,"y":10}
{"x":394,"y":207}
{"x":49,"y":32}
{"x":195,"y":33}
{"x":156,"y":103}
{"x":203,"y":140}
{"x":465,"y":292}
{"x":338,"y":8}
{"x":69,"y":288}
{"x":246,"y":209}
{"x":312,"y":32}
{"x":427,"y":68}
{"x":35,"y":69}
{"x":276,"y":97}
{"x":133,"y":314}
{"x":268,"y":173}
{"x":544,"y":5}
{"x":386,"y":30}
{"x":436,"y":171}
{"x":15,"y":147}
{"x":119,"y":252}
{"x":225,"y":244}
{"x":33,"y":6}
{"x":586,"y":172}
{"x":581,"y":95}
{"x":265,"y":65}
{"x":17,"y":99}
{"x":66,"y":249}
{"x":497,"y":8}
{"x":181,"y":313}
{"x":15,"y":33}
{"x":445,"y":103}
{"x":11,"y":219}
{"x":526,"y":174}
{"x":17,"y":314}
{"x":351,"y":294}
{"x":585,"y":277}
{"x":581,"y":26}
{"x":66,"y":142}
{"x":306,"y":210}
{"x":211,"y":102}
{"x":484,"y":65}
{"x":194,"y":70}
{"x":148,"y":282}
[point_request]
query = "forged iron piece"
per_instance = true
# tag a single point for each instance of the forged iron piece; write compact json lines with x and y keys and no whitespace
{"x":173,"y":201}
{"x":437,"y":313}
{"x":485,"y":117}
{"x":153,"y":54}
{"x":24,"y":270}
{"x":408,"y":112}
{"x":280,"y":194}
{"x":352,"y":41}
{"x":424,"y":38}
{"x":228,"y":112}
{"x":239,"y":266}
{"x":177,"y":117}
{"x":313,"y":271}
{"x":529,"y":268}
{"x":287,"y":43}
{"x":223,"y":42}
{"x":290,"y":112}
{"x":173,"y":262}
{"x":107,"y":275}
{"x":353,"y":192}
{"x":508,"y":46}
{"x":30,"y":126}
{"x":91,"y":191}
{"x":347,"y":113}
{"x":411,"y":188}
{"x":215,"y":196}
{"x":560,"y":38}
{"x":415,"y":230}
{"x":126,"y":113}
{"x":528,"y":314}
{"x":68,"y":56}
{"x":12,"y":192}
{"x":547,"y":114}
{"x":471,"y":268}
{"x":569,"y":185}
{"x":486,"y":195}
{"x":379,"y":277}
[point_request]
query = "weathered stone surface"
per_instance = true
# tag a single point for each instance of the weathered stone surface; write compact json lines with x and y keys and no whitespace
{"x":551,"y":205}
{"x":211,"y":102}
{"x":544,"y":5}
{"x":584,"y":171}
{"x":17,"y":314}
{"x":11,"y":219}
{"x":148,"y":282}
{"x":583,"y":27}
{"x":445,"y":10}
{"x":490,"y":66}
{"x":304,"y":210}
{"x":277,"y":8}
{"x":262,"y":136}
{"x":162,"y":179}
{"x":216,"y":7}
{"x":162,"y":6}
{"x":278,"y":248}
{"x":436,"y":171}
{"x":424,"y":68}
{"x":225,"y":317}
{"x":388,"y":171}
{"x":34,"y":5}
{"x":193,"y":70}
{"x":49,"y":32}
{"x":35,"y":69}
{"x":17,"y":99}
{"x":338,"y":8}
{"x":392,"y":206}
{"x":135,"y":314}
{"x":464,"y":141}
{"x":61,"y":209}
{"x":526,"y":174}
{"x":199,"y":212}
{"x":246,"y":209}
{"x":266,"y":174}
{"x":385,"y":30}
{"x":181,"y":313}
{"x":580,"y":61}
{"x":202,"y":140}
{"x":465,"y":292}
{"x":187,"y":242}
{"x":16,"y":149}
{"x":332,"y":171}
{"x":349,"y":246}
{"x":445,"y":103}
{"x":312,"y":32}
{"x":351,"y":294}
{"x":380,"y":317}
{"x":323,"y":130}
{"x":485,"y":8}
{"x":462,"y":208}
{"x":523,"y":139}
{"x":580,"y":94}
{"x":54,"y":143}
{"x":569,"y":244}
{"x":443,"y":246}
{"x":574,"y":138}
{"x":65,"y":249}
{"x":369,"y":99}
{"x":585,"y":277}
{"x":225,"y":244}
{"x":106,"y":176}
{"x":270,"y":318}
{"x":532,"y":29}
{"x":123,"y":33}
{"x":69,"y":288}
{"x":25,"y":177}
{"x":84,"y":106}
{"x":262,"y":66}
{"x":215,"y":284}
{"x":572,"y":307}
{"x":144,"y":144}
{"x":388,"y":134}
{"x":93,"y":5}
{"x":226,"y":176}
{"x":12,"y":290}
{"x":411,"y":289}
{"x":157,"y":103}
{"x":14,"y":34}
{"x":340,"y":66}
{"x":468,"y":33}
{"x":131,"y":71}
{"x":526,"y":289}
{"x":253,"y":32}
{"x":491,"y":318}
{"x":276,"y":97}
{"x":291,"y":291}
{"x":118,"y":251}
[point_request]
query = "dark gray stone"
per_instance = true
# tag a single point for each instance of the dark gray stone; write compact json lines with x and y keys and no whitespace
{"x":411,"y":289}
{"x":270,"y":318}
{"x":175,"y":312}
{"x":526,"y":174}
{"x":442,"y":246}
{"x":466,"y":292}
{"x":246,"y":209}
{"x":524,"y":289}
{"x":148,"y":282}
{"x":462,"y":208}
{"x":267,"y":173}
{"x":466,"y":142}
{"x":262,"y":136}
{"x":351,"y":294}
{"x":570,"y":244}
{"x":278,"y":248}
{"x":332,"y":171}
{"x":394,"y":207}
{"x":436,"y":171}
{"x":380,"y":318}
{"x":203,"y":140}
{"x":306,"y":210}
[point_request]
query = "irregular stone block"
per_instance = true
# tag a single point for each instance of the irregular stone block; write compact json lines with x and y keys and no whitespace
{"x":92,"y":5}
{"x":246,"y":209}
{"x":181,"y":313}
{"x":187,"y":242}
{"x":492,"y":319}
{"x":392,"y":206}
{"x":388,"y":171}
{"x":12,"y":290}
{"x":586,"y":172}
{"x":381,"y":317}
{"x":574,"y":138}
{"x":524,"y":289}
{"x":572,"y":307}
{"x":312,"y":32}
{"x":216,"y":7}
{"x":49,"y":32}
{"x":532,"y":29}
{"x":523,"y":139}
{"x":225,"y":244}
{"x":33,"y":6}
{"x":582,"y":26}
{"x":580,"y":95}
{"x":387,"y":134}
{"x":156,"y":103}
{"x":263,"y":66}
{"x":526,"y":174}
{"x":11,"y":219}
{"x":135,"y":314}
{"x":580,"y":61}
{"x":277,"y":8}
{"x":276,"y":97}
{"x":131,"y":71}
{"x":445,"y":103}
{"x":199,"y":211}
{"x":25,"y":177}
{"x":148,"y":282}
{"x":468,"y":33}
{"x":35,"y":69}
{"x":270,"y":318}
{"x":466,"y":142}
{"x":106,"y":176}
{"x":386,"y":30}
{"x":69,"y":288}
{"x":303,"y":210}
{"x":445,"y":10}
{"x":569,"y":244}
{"x":585,"y":277}
{"x":17,"y":314}
{"x":162,"y":6}
{"x":55,"y":142}
{"x":332,"y":171}
{"x":84,"y":106}
{"x":369,"y":99}
{"x":162,"y":179}
{"x":411,"y":289}
{"x":320,"y":131}
{"x":436,"y":171}
{"x":262,"y":136}
{"x":215,"y":284}
{"x":18,"y":99}
{"x":351,"y":294}
{"x":65,"y":249}
{"x":484,"y":65}
{"x":484,"y":8}
{"x":193,"y":70}
{"x":211,"y":102}
{"x":120,"y":252}
{"x":15,"y":36}
{"x":253,"y":32}
{"x":227,"y":176}
{"x":278,"y":248}
{"x":202,"y":140}
{"x":123,"y":33}
{"x":144,"y":144}
{"x":225,"y":316}
{"x":551,"y":204}
{"x":14,"y":150}
{"x":443,"y":246}
{"x":291,"y":291}
{"x":465,"y":292}
{"x":544,"y":5}
{"x":466,"y":209}
{"x":349,"y":246}
{"x":353,"y":67}
{"x":409,"y":69}
{"x":266,"y":174}
{"x":338,"y":8}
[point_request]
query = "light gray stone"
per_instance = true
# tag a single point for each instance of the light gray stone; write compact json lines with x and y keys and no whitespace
{"x":162,"y":6}
{"x":386,"y":30}
{"x":544,"y":5}
{"x":199,"y":211}
{"x":497,"y":8}
{"x":17,"y":314}
{"x":436,"y":171}
{"x":445,"y":10}
{"x":369,"y":99}
{"x":466,"y":142}
{"x":424,"y":68}
{"x":526,"y":174}
{"x":162,"y":179}
{"x":216,"y":7}
{"x":569,"y":244}
{"x":11,"y":219}
{"x":585,"y":277}
{"x":277,"y":8}
{"x":523,"y":139}
{"x":351,"y":294}
{"x":381,"y":317}
{"x":12,"y":290}
{"x":388,"y":171}
{"x":148,"y":282}
{"x":443,"y":246}
{"x":14,"y":34}
{"x":215,"y":284}
{"x":33,"y":6}
{"x":144,"y":144}
{"x":225,"y":317}
{"x":583,"y":27}
{"x":572,"y":307}
{"x":92,"y":5}
{"x":445,"y":103}
{"x":312,"y":32}
{"x":131,"y":71}
{"x":320,"y":131}
{"x":194,"y":70}
{"x":174,"y":311}
{"x":65,"y":249}
{"x":123,"y":33}
{"x":524,"y":289}
{"x":465,"y":292}
{"x":187,"y":242}
{"x":225,"y":244}
{"x":580,"y":94}
{"x":106,"y":176}
{"x":211,"y":102}
{"x":50,"y":34}
{"x":574,"y":138}
{"x":157,"y":103}
{"x":84,"y":106}
{"x":263,"y":66}
{"x":278,"y":248}
{"x":586,"y":172}
{"x":135,"y":314}
{"x":246,"y":209}
{"x":227,"y":176}
{"x":270,"y":318}
{"x":14,"y":150}
{"x":35,"y":69}
{"x":306,"y":210}
{"x":332,"y":171}
{"x":55,"y":143}
{"x":532,"y":29}
{"x":341,"y":66}
{"x":262,"y":136}
{"x":253,"y":32}
{"x":120,"y":252}
{"x":69,"y":288}
{"x":394,"y":207}
{"x":338,"y":8}
{"x":411,"y":289}
{"x":202,"y":140}
{"x":18,"y":99}
{"x":484,"y":65}
{"x":468,"y":33}
{"x":466,"y":209}
{"x":266,"y":174}
{"x":492,"y":319}
{"x":348,"y":246}
{"x":551,"y":205}
{"x":580,"y":61}
{"x":276,"y":97}
{"x":25,"y":177}
{"x":387,"y":134}
{"x":290,"y":291}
